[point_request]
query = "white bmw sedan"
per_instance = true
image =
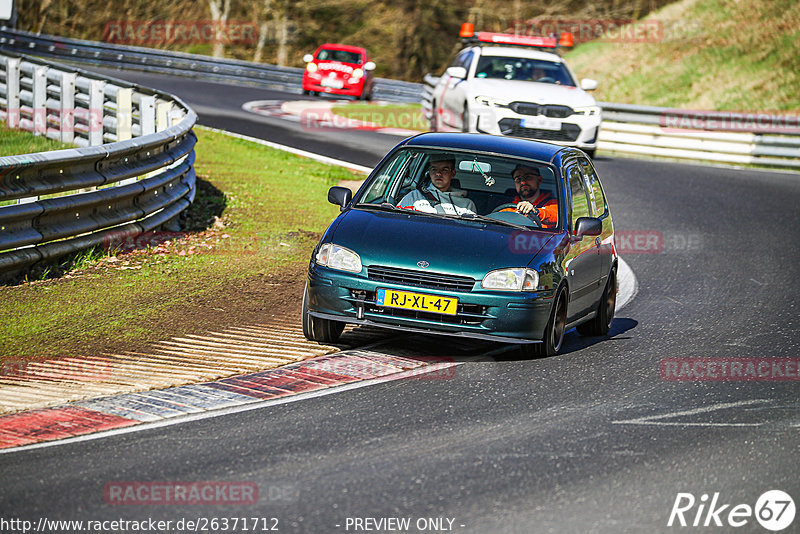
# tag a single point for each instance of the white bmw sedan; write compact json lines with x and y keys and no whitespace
{"x":519,"y":92}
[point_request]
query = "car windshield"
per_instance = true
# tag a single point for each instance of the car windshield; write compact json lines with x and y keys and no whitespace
{"x":523,"y":69}
{"x":464,"y":185}
{"x":329,"y":54}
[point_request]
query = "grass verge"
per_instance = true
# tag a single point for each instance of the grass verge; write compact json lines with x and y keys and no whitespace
{"x":261,"y":210}
{"x":712,"y":54}
{"x":15,"y":142}
{"x":405,"y":116}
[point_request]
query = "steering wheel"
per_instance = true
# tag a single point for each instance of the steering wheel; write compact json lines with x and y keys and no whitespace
{"x":531,"y":214}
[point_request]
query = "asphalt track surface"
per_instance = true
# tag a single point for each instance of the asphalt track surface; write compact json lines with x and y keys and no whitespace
{"x":592,"y":440}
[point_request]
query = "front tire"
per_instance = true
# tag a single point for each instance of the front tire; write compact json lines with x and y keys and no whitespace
{"x":433,"y":123}
{"x":553,"y":332}
{"x":465,"y":119}
{"x":601,"y":324}
{"x":317,"y":329}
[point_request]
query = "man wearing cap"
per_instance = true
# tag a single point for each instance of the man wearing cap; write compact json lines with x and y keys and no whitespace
{"x":438,"y":196}
{"x":529,"y":199}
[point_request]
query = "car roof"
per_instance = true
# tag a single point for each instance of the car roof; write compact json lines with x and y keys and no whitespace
{"x":510,"y":51}
{"x":346,"y":48}
{"x":508,"y":146}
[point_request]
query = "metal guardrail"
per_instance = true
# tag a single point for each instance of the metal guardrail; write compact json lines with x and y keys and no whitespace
{"x":55,"y":203}
{"x":138,"y":58}
{"x":728,"y":137}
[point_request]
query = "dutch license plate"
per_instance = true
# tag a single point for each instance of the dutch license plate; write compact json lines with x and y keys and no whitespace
{"x":333,"y":83}
{"x":390,"y":298}
{"x":541,"y":123}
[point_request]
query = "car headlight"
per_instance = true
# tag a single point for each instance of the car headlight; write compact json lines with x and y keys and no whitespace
{"x":339,"y":258}
{"x":588,"y":110}
{"x":511,"y":280}
{"x":311,"y":67}
{"x":491,"y":102}
{"x":358,"y":73}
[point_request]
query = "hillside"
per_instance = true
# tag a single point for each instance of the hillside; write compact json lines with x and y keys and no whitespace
{"x":737,"y":55}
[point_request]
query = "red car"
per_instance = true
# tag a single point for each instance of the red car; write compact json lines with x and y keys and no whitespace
{"x":339,"y":69}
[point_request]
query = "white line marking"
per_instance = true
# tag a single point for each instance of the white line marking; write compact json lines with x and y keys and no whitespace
{"x":653,"y":419}
{"x":416,"y":373}
{"x":628,"y":284}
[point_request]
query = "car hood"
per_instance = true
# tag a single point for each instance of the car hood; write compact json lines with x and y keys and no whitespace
{"x":539,"y":93}
{"x":467,"y":248}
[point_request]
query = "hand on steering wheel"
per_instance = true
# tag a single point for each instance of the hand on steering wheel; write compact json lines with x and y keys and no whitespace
{"x":507,"y":207}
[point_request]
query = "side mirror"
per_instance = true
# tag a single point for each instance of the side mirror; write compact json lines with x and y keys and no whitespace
{"x":456,"y":72}
{"x":308,"y":58}
{"x":588,"y":84}
{"x":369,"y":65}
{"x":341,"y":196}
{"x":589,"y":226}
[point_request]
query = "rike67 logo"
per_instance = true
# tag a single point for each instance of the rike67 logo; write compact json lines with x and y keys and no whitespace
{"x":774,"y":510}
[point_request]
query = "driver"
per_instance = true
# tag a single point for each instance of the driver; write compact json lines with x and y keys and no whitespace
{"x":529,"y":199}
{"x":438,"y":196}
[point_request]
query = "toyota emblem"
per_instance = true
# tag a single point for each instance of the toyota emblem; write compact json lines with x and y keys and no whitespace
{"x":423,"y":264}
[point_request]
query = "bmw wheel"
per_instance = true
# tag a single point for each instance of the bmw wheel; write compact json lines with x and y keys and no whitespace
{"x":465,"y":119}
{"x":317,"y":329}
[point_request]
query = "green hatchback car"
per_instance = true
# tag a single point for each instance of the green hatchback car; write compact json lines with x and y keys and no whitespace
{"x":470,"y":235}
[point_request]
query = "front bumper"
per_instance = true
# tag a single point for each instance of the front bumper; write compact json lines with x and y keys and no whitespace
{"x":576,"y":130}
{"x":503,"y":316}
{"x":349,"y":89}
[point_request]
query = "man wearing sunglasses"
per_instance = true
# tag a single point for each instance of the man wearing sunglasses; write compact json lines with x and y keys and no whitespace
{"x":438,"y":195}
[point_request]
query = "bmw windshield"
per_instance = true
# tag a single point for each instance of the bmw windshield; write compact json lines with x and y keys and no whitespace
{"x":466,"y":185}
{"x":523,"y":69}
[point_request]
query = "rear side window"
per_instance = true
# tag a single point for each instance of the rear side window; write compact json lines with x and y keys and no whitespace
{"x":597,"y":201}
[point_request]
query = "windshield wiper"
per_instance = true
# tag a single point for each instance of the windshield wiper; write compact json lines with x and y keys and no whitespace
{"x":474,"y":216}
{"x":382,"y":206}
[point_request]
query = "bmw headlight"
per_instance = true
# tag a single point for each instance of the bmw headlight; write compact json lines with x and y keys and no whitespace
{"x":491,"y":102}
{"x":511,"y":280}
{"x":588,"y":110}
{"x":340,"y":258}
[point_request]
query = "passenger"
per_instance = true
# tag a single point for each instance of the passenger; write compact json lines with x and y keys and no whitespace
{"x":529,"y":199}
{"x":437,"y":196}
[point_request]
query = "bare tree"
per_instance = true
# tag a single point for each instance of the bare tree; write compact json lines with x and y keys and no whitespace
{"x":219,"y":16}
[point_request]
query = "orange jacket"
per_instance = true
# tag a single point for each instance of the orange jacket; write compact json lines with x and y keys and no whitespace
{"x":546,"y":208}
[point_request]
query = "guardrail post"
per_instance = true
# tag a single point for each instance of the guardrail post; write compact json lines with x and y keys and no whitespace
{"x":124,"y":113}
{"x":162,"y":115}
{"x":67,"y":107}
{"x":147,"y":112}
{"x":40,"y":101}
{"x":96,"y":109}
{"x":12,"y":92}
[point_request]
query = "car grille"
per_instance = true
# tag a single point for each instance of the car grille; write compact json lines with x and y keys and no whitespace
{"x":420,"y":279}
{"x":568,"y":132}
{"x":548,"y":110}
